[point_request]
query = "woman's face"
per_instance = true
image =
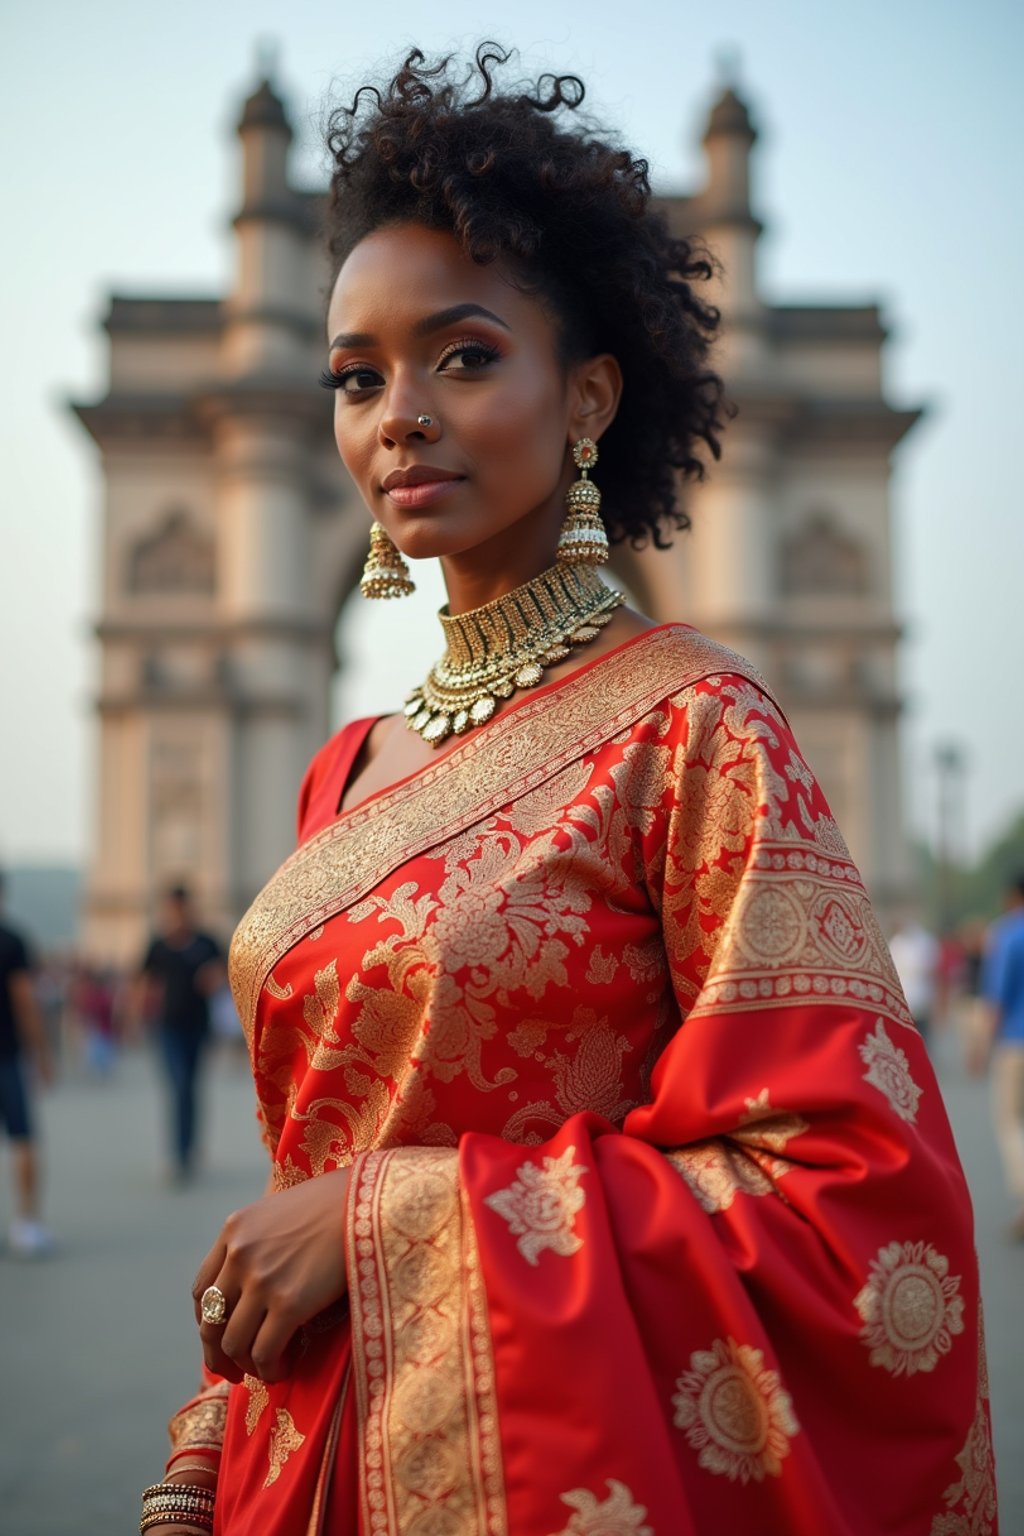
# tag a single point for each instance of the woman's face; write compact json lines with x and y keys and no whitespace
{"x":415,"y":328}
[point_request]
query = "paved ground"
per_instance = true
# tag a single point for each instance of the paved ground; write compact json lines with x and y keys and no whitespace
{"x":98,"y":1345}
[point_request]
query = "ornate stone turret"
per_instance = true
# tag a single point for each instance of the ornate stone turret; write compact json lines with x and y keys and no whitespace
{"x":723,"y":207}
{"x":271,"y":313}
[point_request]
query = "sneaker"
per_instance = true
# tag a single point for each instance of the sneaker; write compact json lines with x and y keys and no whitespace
{"x":29,"y":1239}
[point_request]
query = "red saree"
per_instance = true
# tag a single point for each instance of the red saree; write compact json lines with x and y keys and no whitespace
{"x":656,"y":1225}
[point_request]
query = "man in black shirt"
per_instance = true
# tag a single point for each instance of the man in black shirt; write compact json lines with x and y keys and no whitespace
{"x":182,"y":968}
{"x":21,"y":1031}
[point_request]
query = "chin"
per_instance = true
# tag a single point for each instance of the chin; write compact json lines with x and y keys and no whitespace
{"x":431,"y":535}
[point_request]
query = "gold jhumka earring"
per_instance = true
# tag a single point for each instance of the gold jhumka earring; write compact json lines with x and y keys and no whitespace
{"x":385,"y":573}
{"x":583,"y":540}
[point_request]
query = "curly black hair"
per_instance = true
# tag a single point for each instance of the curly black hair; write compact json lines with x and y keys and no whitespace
{"x":569,"y":213}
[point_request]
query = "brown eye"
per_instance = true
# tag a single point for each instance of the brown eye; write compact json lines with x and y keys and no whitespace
{"x":475,"y":356}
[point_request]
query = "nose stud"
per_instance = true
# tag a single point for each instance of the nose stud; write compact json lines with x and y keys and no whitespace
{"x":425,"y":421}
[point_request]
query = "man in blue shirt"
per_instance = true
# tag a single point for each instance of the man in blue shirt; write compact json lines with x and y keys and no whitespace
{"x":1003,"y":990}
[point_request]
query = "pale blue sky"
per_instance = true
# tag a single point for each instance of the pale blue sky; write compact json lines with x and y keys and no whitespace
{"x":888,"y":169}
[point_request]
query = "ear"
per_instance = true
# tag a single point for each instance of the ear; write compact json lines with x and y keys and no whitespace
{"x":595,"y":391}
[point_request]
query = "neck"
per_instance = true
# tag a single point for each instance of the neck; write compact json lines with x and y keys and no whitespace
{"x":514,"y":556}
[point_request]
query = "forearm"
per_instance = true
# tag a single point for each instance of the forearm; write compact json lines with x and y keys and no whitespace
{"x":29,"y":1018}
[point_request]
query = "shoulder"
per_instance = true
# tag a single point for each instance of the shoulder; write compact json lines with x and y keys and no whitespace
{"x":673,"y":660}
{"x":700,"y":688}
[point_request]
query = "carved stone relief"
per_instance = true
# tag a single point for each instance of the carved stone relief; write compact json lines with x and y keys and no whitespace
{"x":820,"y":560}
{"x":176,"y":558}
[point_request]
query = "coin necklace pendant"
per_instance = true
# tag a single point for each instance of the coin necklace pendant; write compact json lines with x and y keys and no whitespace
{"x":505,"y":646}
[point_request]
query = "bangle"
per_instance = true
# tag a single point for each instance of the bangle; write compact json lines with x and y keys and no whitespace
{"x":177,"y":1504}
{"x":189,"y":1466}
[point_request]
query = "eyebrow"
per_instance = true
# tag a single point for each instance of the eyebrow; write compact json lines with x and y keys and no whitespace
{"x":435,"y":322}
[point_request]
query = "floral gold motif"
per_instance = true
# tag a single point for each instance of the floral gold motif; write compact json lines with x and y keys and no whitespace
{"x":617,"y":1515}
{"x":259,"y":1397}
{"x":284,"y":1439}
{"x":888,"y":1070}
{"x":735,"y":1412}
{"x":910,"y":1308}
{"x":542,"y":1204}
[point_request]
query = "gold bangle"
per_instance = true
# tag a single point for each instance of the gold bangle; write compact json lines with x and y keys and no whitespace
{"x":186,"y":1522}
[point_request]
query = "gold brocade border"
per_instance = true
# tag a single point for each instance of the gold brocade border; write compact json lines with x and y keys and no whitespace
{"x":801,"y":929}
{"x":199,"y":1426}
{"x":517,"y":752}
{"x":430,"y":1456}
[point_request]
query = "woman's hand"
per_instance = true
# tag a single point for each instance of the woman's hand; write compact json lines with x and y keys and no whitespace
{"x":278,"y":1262}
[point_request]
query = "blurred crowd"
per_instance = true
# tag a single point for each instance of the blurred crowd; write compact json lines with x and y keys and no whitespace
{"x":62,"y":1014}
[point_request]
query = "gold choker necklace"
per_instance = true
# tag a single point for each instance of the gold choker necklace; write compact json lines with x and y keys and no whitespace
{"x":505,"y":645}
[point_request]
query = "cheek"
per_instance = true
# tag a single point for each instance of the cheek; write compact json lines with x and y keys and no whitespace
{"x":353,"y":443}
{"x":515,"y":433}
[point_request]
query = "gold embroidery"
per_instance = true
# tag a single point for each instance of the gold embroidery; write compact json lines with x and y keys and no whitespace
{"x":972,"y":1498}
{"x":617,"y":1515}
{"x":735,"y":1412}
{"x":803,"y":931}
{"x":259,"y":1397}
{"x":601,"y":968}
{"x":200,"y":1424}
{"x":910,"y":1308}
{"x":284,"y":1438}
{"x":428,"y":1418}
{"x":717,"y":1171}
{"x":281,"y":993}
{"x":541,"y":1206}
{"x":888,"y":1070}
{"x":517,"y":753}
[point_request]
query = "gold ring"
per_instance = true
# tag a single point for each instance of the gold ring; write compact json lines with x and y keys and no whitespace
{"x":214,"y":1306}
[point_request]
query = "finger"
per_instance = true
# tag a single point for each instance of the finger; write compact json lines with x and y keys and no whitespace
{"x":206,"y":1275}
{"x":240,"y":1331}
{"x":271,"y":1344}
{"x":212,"y":1338}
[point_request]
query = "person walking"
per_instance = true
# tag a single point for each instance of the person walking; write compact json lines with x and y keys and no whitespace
{"x":916,"y":954}
{"x":182,"y":968}
{"x":1003,"y":1044}
{"x":22,"y":1035}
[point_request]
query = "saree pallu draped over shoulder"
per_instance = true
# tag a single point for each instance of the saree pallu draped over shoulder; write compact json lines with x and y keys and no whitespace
{"x":655,"y":1226}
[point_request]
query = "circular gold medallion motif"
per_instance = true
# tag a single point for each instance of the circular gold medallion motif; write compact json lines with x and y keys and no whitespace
{"x":771,"y":926}
{"x":735,"y":1412}
{"x":910,"y":1308}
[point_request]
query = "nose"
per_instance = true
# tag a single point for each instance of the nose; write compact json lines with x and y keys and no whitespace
{"x":406,"y":419}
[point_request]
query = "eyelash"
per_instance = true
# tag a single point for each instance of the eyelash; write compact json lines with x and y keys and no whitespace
{"x":331,"y":380}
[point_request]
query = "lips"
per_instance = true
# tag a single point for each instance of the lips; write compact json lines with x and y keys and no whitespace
{"x":417,"y":474}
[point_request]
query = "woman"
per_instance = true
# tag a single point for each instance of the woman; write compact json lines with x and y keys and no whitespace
{"x":612,"y":1191}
